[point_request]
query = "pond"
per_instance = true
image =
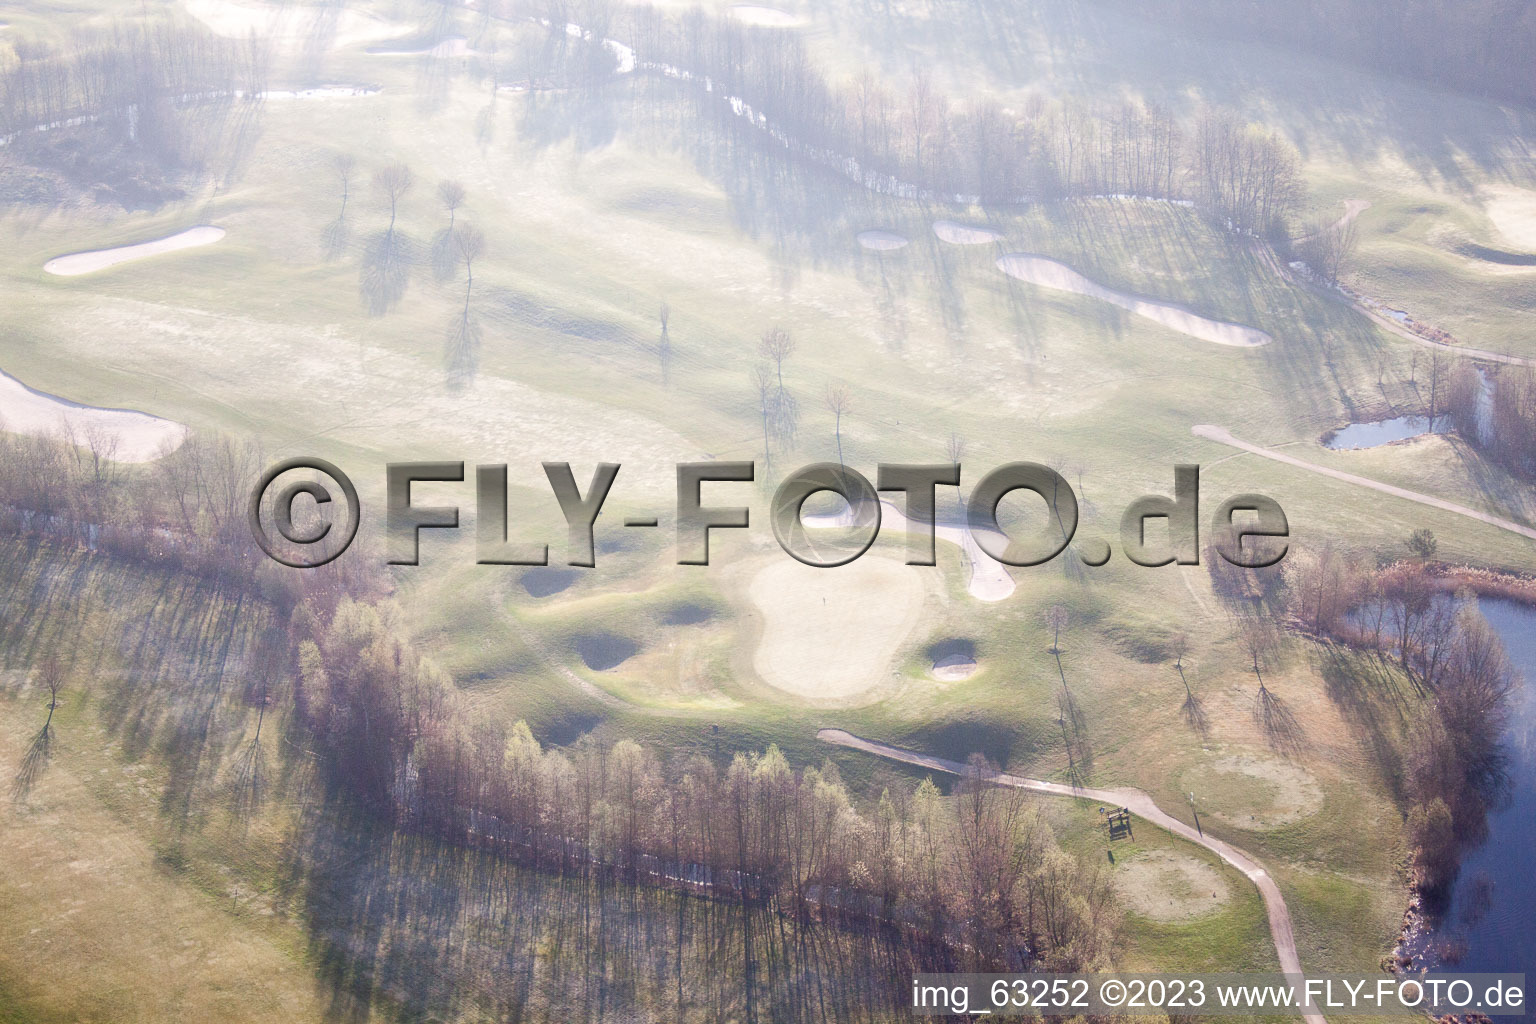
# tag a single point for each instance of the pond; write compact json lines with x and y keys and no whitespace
{"x":1486,"y":924}
{"x":1371,"y":435}
{"x":1400,"y":428}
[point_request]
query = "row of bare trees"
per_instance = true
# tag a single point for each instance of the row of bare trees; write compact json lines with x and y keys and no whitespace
{"x":136,"y":75}
{"x":918,"y":141}
{"x":973,"y":882}
{"x":1461,"y":680}
{"x":1502,"y":426}
{"x":185,"y":511}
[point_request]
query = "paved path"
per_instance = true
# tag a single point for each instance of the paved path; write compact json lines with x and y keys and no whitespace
{"x":1224,"y":436}
{"x":1140,"y":804}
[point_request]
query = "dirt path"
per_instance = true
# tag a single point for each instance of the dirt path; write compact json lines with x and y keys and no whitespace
{"x":1352,"y":209}
{"x":1222,"y":435}
{"x":1139,"y":803}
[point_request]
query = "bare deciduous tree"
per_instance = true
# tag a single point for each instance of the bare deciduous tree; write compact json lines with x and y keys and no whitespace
{"x":345,"y":165}
{"x":451,"y":194}
{"x":394,"y":180}
{"x":839,"y":400}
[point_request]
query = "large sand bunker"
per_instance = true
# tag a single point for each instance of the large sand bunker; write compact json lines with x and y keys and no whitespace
{"x":1165,"y":886}
{"x":1513,"y":212}
{"x":86,"y":262}
{"x":121,"y":435}
{"x":881,"y":241}
{"x":829,"y":634}
{"x":1047,"y":273}
{"x":964,"y":234}
{"x":767,"y":17}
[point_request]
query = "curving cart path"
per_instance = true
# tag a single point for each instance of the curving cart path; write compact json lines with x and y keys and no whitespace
{"x":1139,"y":803}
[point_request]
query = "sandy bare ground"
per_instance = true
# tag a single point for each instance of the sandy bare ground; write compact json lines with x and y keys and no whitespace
{"x":1048,"y":273}
{"x":953,"y":668}
{"x":882,"y":241}
{"x":79,"y":263}
{"x":293,"y":26}
{"x":1165,"y":886}
{"x":122,"y":435}
{"x":1222,"y":435}
{"x":1138,"y":803}
{"x":1513,"y":212}
{"x":829,"y":634}
{"x":989,"y":579}
{"x":956,"y":233}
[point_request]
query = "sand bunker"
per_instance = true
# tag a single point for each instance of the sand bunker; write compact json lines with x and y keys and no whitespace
{"x":122,"y":435}
{"x":964,"y":234}
{"x":830,"y":634}
{"x":767,"y":17}
{"x":293,"y":26}
{"x":1513,"y":212}
{"x":881,"y":241}
{"x":989,"y":579}
{"x":954,"y":667}
{"x":1254,"y":791}
{"x":953,"y":659}
{"x":453,"y":46}
{"x":87,"y":262}
{"x":1047,"y":273}
{"x":1165,"y":886}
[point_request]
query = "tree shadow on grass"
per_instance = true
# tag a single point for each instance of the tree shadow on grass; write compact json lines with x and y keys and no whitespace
{"x":33,"y":763}
{"x":461,"y":351}
{"x":386,"y":271}
{"x":1278,"y":723}
{"x":334,"y":238}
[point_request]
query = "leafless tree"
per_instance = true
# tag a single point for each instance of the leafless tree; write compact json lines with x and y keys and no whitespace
{"x":838,"y":400}
{"x":451,"y":194}
{"x":394,"y":181}
{"x":344,"y":165}
{"x":463,"y":342}
{"x":1057,"y":618}
{"x":35,"y":761}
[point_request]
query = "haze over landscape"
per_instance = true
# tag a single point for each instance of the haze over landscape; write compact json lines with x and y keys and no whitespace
{"x":514,"y":778}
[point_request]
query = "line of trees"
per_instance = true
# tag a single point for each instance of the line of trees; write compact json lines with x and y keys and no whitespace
{"x":1461,"y":681}
{"x":973,"y":883}
{"x":185,"y":511}
{"x":1507,"y":433}
{"x":136,"y":78}
{"x":921,"y":143}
